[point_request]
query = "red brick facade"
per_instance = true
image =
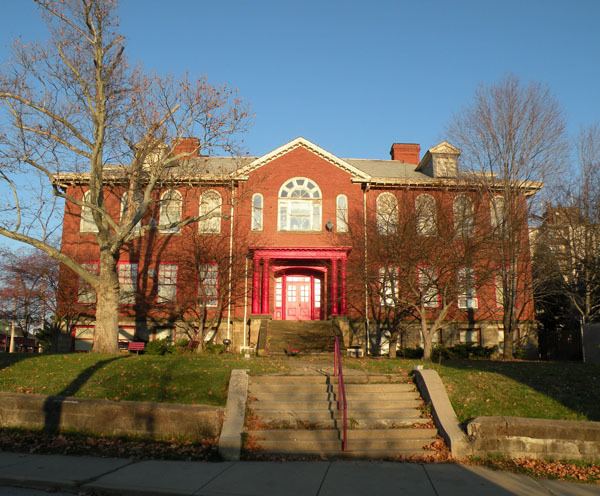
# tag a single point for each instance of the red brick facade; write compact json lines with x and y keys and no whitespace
{"x":270,"y":265}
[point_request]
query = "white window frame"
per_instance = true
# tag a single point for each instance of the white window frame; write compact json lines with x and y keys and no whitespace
{"x":124,"y":201}
{"x":464,"y":216}
{"x":167,"y":283}
{"x":87,"y":223}
{"x":427,"y":287}
{"x":85,"y":292}
{"x":467,"y":298}
{"x":257,"y":212}
{"x":386,"y":206}
{"x":211,"y":205}
{"x":211,"y":269}
{"x":426,"y":214}
{"x":499,"y":287}
{"x":167,"y":208}
{"x":287,"y":202}
{"x":388,"y":286}
{"x":341,"y":213}
{"x":497,"y":213}
{"x":127,"y":273}
{"x":470,"y":336}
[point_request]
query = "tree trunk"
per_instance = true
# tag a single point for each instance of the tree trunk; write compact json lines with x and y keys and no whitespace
{"x":393,"y":344}
{"x":106,"y":334}
{"x":427,"y":346}
{"x":508,"y":338}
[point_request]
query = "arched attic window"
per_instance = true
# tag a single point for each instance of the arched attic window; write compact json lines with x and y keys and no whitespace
{"x":425,"y":209}
{"x":464,"y":216}
{"x":170,"y":210}
{"x":387,"y":213}
{"x":299,"y":205}
{"x":210,"y":212}
{"x":87,"y":223}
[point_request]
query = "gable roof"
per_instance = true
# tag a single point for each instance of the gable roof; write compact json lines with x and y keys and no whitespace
{"x":304,"y":143}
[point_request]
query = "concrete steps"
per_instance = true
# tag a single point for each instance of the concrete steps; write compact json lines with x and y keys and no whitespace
{"x":309,"y":336}
{"x":297,"y":415}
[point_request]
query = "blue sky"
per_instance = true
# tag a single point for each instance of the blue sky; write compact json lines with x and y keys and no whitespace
{"x":356,"y":76}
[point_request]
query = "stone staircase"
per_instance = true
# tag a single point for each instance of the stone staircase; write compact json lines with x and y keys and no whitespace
{"x":308,"y":336}
{"x":296,"y":416}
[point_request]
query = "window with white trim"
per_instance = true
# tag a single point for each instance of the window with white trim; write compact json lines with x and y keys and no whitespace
{"x":167,"y":282}
{"x":257,"y":212}
{"x":469,"y":336}
{"x":426,"y":215}
{"x":85,"y":292}
{"x":497,"y":213}
{"x":210,"y":212}
{"x":124,"y":208}
{"x":127,"y":282}
{"x":428,"y":287}
{"x":208,"y":284}
{"x":341,"y":213}
{"x":388,"y":286}
{"x":464,"y":218}
{"x":387,"y":213}
{"x":499,"y":291}
{"x":299,"y":205}
{"x":467,"y":298}
{"x":171,"y":202}
{"x":87,"y":223}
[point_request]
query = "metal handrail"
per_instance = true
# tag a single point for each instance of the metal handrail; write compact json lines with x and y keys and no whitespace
{"x":341,"y":391}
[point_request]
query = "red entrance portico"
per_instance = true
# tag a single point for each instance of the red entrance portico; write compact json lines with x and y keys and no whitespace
{"x":310,"y":283}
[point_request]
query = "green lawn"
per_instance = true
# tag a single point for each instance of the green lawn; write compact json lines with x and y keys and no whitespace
{"x":201,"y":379}
{"x":554,"y":390}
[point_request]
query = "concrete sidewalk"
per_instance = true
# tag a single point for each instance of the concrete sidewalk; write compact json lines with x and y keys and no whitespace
{"x":87,"y":475}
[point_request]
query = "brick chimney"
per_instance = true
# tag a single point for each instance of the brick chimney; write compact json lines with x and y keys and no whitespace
{"x":190,"y":146}
{"x":408,"y":153}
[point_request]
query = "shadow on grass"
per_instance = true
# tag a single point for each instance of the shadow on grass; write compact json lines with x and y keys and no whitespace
{"x":574,"y":385}
{"x":53,"y":406}
{"x":10,"y":359}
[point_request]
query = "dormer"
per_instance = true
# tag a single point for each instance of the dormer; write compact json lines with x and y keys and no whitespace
{"x":440,"y":161}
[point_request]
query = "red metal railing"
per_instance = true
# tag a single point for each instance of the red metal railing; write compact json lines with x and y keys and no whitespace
{"x":341,"y":391}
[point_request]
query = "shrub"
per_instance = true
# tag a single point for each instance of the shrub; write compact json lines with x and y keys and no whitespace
{"x":214,"y":348}
{"x":410,"y":352}
{"x":159,"y":347}
{"x":462,"y":351}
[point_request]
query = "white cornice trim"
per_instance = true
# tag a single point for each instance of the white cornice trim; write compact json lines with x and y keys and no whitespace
{"x":301,"y":142}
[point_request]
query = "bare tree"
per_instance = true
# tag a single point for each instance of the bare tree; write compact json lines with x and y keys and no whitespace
{"x":425,"y":262}
{"x":571,"y":230}
{"x":512,"y":137}
{"x":78,"y":114}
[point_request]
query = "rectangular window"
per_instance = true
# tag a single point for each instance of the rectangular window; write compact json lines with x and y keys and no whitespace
{"x":167,"y":282}
{"x":209,"y":284}
{"x":86,"y":293}
{"x":467,"y":298}
{"x":127,"y":282}
{"x":428,"y":287}
{"x":499,"y":292}
{"x":469,"y":337}
{"x":388,"y":285}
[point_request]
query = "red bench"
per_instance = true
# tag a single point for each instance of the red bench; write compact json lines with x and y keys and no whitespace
{"x":137,"y":346}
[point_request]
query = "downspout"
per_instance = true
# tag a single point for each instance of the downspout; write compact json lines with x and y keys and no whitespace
{"x":230,"y":272}
{"x":245,"y":301}
{"x":366,"y":271}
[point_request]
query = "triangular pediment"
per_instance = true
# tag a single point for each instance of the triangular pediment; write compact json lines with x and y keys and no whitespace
{"x":311,"y":147}
{"x":445,"y":147}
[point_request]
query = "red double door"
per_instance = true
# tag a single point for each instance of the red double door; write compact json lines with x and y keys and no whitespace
{"x":298,"y":297}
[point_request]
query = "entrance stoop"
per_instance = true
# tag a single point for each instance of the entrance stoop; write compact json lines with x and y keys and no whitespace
{"x":296,"y":416}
